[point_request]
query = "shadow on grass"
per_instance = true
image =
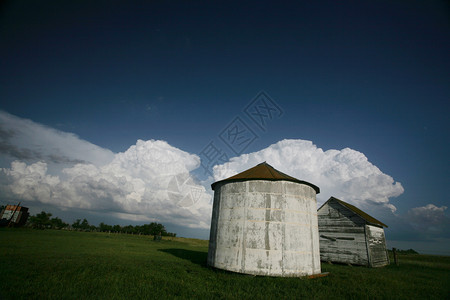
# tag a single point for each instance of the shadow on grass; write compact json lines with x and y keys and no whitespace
{"x":196,"y":257}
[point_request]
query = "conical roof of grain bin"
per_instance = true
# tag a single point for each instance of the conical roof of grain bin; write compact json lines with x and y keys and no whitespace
{"x":264,"y":222}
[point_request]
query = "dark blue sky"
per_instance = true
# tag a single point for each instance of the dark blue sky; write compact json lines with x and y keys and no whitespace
{"x":369,"y":75}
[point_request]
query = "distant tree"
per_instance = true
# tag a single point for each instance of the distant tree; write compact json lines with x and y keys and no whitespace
{"x":117,"y":228}
{"x":153,"y":229}
{"x":128,"y":229}
{"x":157,"y":229}
{"x":104,"y":227}
{"x":57,"y":223}
{"x":409,"y":251}
{"x":41,"y":220}
{"x":146,"y":229}
{"x":85,"y":225}
{"x":77,"y":224}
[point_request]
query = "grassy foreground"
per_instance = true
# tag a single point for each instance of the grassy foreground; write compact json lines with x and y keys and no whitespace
{"x":51,"y":264}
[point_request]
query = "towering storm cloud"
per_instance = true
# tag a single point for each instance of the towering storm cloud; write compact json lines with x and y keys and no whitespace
{"x":346,"y":174}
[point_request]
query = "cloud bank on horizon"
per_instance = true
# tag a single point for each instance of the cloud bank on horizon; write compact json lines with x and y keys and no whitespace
{"x":153,"y":181}
{"x":429,"y":220}
{"x":25,"y":140}
{"x":136,"y":185}
{"x":147,"y":182}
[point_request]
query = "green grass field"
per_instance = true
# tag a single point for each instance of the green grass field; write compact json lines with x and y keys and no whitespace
{"x":51,"y":264}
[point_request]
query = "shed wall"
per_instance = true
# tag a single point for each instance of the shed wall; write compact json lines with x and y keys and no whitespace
{"x":342,"y":235}
{"x":265,"y":228}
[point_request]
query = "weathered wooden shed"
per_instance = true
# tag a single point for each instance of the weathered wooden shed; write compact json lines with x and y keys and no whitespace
{"x":349,"y":235}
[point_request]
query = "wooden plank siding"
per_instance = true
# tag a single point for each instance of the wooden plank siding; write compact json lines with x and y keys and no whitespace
{"x":344,"y":251}
{"x":345,"y":237}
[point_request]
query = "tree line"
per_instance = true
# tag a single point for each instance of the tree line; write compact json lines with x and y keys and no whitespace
{"x":43,"y":220}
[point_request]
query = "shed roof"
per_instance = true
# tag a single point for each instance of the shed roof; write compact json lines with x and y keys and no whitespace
{"x":363,"y":215}
{"x":264,"y":171}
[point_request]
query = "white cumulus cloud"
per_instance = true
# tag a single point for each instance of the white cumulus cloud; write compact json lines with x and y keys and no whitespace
{"x":346,"y":174}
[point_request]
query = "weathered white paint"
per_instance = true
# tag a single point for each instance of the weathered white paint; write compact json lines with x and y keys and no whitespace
{"x":377,"y":246}
{"x":265,"y":227}
{"x":342,"y":237}
{"x":345,"y":237}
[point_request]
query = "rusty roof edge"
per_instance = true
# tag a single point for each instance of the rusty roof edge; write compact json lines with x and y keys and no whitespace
{"x":272,"y":171}
{"x":316,"y":188}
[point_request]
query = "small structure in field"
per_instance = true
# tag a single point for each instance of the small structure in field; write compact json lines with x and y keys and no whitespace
{"x":349,"y":235}
{"x":14,"y":215}
{"x":264,"y":222}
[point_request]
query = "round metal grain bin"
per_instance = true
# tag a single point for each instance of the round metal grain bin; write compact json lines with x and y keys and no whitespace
{"x":264,"y":222}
